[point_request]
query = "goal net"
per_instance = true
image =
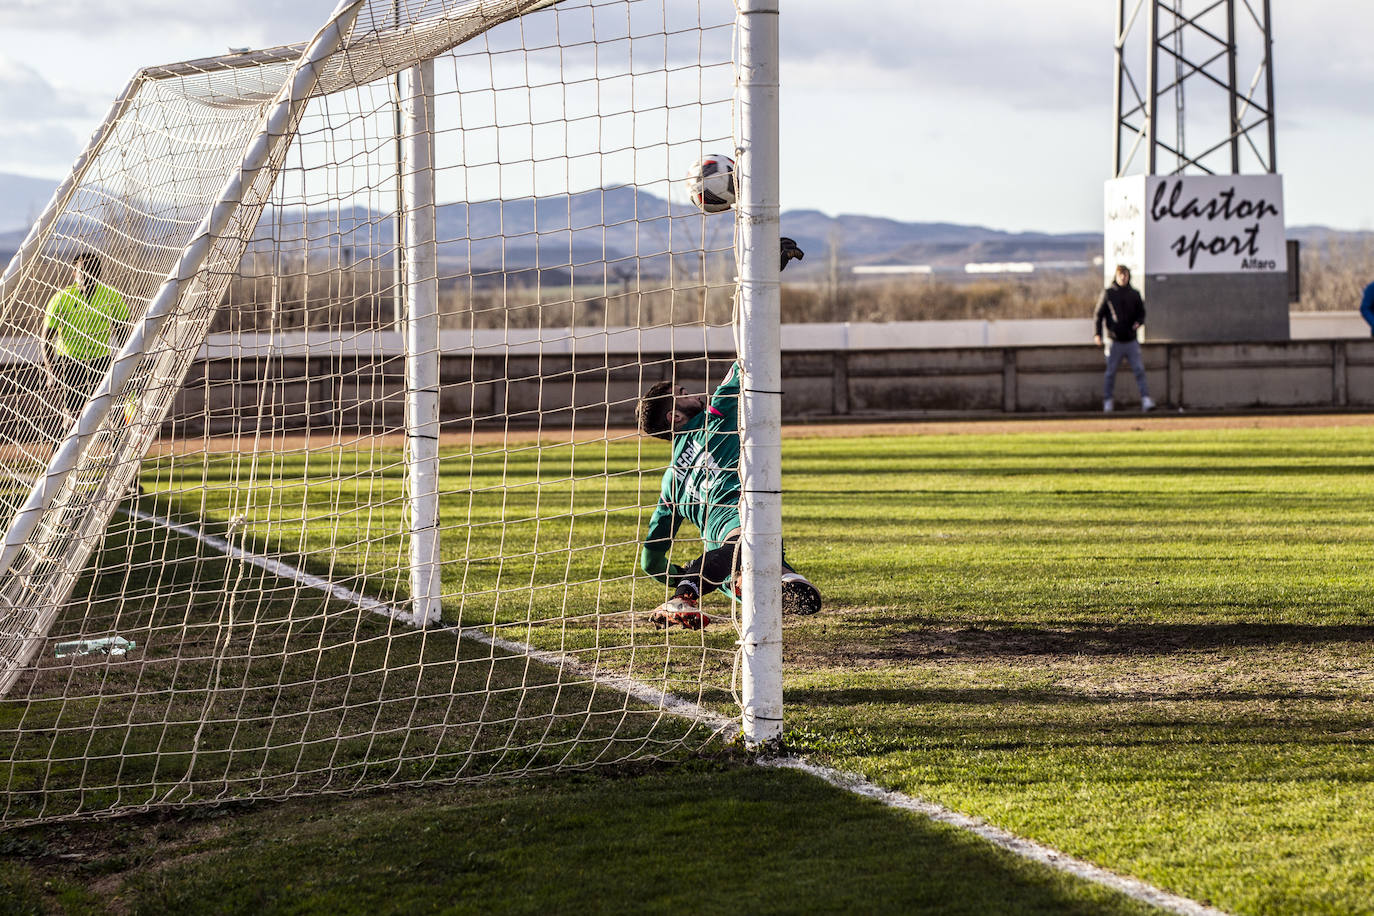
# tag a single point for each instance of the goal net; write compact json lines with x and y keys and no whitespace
{"x":339,"y":487}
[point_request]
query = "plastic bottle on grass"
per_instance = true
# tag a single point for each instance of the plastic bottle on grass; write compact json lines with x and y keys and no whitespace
{"x":107,"y":645}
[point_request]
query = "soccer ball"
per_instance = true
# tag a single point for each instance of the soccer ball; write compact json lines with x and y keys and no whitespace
{"x":711,"y":183}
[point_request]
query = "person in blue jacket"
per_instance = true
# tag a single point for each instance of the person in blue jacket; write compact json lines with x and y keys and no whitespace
{"x":1367,"y":307}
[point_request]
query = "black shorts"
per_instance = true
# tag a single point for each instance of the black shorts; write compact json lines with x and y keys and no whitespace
{"x":78,"y":378}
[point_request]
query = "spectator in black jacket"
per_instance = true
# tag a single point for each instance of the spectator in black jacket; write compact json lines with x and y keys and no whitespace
{"x":1123,"y":311}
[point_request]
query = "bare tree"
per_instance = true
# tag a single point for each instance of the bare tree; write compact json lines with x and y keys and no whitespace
{"x":837,"y":289}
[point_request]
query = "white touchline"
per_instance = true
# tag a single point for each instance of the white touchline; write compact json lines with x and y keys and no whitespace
{"x":1027,"y":849}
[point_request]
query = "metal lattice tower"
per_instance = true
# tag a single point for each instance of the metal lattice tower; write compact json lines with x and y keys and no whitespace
{"x":1216,"y":55}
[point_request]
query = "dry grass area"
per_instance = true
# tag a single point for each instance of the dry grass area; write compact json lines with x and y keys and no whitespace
{"x":361,"y":297}
{"x":1335,"y":273}
{"x":1050,"y":295}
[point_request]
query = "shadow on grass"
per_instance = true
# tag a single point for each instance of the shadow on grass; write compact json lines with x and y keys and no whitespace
{"x":927,"y":637}
{"x":701,"y":838}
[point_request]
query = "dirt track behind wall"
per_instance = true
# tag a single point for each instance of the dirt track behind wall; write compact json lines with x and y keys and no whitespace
{"x":1123,"y":422}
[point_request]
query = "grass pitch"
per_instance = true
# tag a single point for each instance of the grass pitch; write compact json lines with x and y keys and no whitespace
{"x":1147,"y":648}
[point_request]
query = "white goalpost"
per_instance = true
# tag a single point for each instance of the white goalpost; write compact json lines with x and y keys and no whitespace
{"x":760,"y":350}
{"x":421,"y":323}
{"x":332,"y":482}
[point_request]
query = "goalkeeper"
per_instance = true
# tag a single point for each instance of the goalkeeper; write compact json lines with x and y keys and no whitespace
{"x":82,"y":326}
{"x":702,"y":485}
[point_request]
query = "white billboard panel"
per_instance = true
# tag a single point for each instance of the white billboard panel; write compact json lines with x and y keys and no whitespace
{"x":1214,"y":224}
{"x":1124,"y":227}
{"x":1195,"y":224}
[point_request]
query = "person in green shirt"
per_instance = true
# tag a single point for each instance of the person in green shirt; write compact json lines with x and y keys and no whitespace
{"x":702,"y":486}
{"x":82,"y":326}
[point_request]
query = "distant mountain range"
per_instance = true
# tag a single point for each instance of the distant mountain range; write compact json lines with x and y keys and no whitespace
{"x":620,"y":231}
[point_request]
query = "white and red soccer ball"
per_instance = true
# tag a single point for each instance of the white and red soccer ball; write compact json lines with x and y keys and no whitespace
{"x":711,"y":183}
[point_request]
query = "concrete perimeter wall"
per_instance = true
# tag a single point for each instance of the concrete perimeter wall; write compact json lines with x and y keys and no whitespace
{"x":591,"y":382}
{"x":1293,"y":375}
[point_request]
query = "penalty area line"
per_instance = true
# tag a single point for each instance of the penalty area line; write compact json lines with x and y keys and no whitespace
{"x":727,"y":728}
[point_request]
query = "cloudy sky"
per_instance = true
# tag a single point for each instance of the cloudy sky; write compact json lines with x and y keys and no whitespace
{"x":996,"y":112}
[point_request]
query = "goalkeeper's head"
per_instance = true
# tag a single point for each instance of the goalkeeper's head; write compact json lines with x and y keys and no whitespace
{"x":86,"y":271}
{"x":665,"y":408}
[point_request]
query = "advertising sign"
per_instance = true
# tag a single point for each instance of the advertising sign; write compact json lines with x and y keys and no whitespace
{"x":1195,"y":224}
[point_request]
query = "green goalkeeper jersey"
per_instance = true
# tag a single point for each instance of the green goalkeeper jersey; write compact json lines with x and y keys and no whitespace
{"x":702,"y":484}
{"x":85,"y":325}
